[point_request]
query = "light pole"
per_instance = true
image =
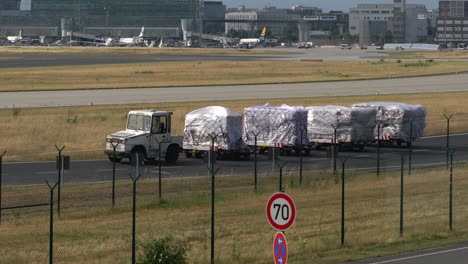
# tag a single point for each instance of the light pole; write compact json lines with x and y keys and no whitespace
{"x":106,"y":9}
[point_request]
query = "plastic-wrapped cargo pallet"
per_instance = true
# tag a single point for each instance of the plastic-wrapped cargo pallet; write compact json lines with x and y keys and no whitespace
{"x":275,"y":125}
{"x":203,"y":123}
{"x":354,"y":125}
{"x":396,"y":118}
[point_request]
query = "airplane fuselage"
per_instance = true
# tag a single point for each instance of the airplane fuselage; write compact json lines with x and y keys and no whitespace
{"x":14,"y":38}
{"x":254,"y":41}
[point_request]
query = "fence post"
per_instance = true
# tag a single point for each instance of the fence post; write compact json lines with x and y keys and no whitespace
{"x":281,"y":166}
{"x":213,"y":172}
{"x":343,"y":203}
{"x":113,"y":172}
{"x":300,"y":158}
{"x":410,"y":151}
{"x":401,"y":193}
{"x":134,"y":181}
{"x":255,"y":160}
{"x":1,"y":184}
{"x":59,"y":181}
{"x":451,"y":191}
{"x":378,"y":148}
{"x":448,"y":138}
{"x":334,"y":148}
{"x":51,"y":222}
{"x":159,"y":171}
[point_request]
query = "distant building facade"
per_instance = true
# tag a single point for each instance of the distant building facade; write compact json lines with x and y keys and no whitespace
{"x":452,"y":22}
{"x":275,"y":19}
{"x":121,"y":17}
{"x":405,"y":22}
{"x":214,"y":11}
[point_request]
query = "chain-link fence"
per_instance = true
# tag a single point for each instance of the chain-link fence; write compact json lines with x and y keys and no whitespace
{"x":89,"y":229}
{"x":93,"y":215}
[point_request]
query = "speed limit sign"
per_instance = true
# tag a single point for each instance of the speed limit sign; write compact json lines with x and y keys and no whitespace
{"x":281,"y":211}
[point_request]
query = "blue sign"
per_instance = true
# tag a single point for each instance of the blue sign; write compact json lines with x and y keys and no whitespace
{"x":280,"y":249}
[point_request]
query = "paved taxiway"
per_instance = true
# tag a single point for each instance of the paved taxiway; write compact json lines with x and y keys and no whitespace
{"x":427,"y":152}
{"x":454,"y":254}
{"x":54,"y":59}
{"x":442,"y":83}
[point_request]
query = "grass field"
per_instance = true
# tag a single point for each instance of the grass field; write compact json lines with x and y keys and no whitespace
{"x":31,"y":133}
{"x":168,"y":74}
{"x":457,"y":54}
{"x":89,"y":231}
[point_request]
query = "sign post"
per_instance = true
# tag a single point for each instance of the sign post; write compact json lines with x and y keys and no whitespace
{"x":280,"y":213}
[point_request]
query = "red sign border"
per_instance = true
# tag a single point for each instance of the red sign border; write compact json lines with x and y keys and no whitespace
{"x":286,"y":245}
{"x":293,"y":211}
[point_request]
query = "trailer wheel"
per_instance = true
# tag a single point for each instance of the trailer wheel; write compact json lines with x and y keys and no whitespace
{"x":172,"y":154}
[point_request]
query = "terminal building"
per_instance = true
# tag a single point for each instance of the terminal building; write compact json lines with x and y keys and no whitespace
{"x":115,"y":17}
{"x":452,"y":22}
{"x":404,"y":22}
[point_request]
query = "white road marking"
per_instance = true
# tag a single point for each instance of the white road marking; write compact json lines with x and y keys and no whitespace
{"x":422,"y":150}
{"x":362,"y":156}
{"x":444,"y":136}
{"x":162,"y":172}
{"x":111,"y":170}
{"x":420,"y":256}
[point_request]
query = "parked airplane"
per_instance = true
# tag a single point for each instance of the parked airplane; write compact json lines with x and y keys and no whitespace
{"x":133,"y":41}
{"x":92,"y":40}
{"x":252,"y":42}
{"x":18,"y":39}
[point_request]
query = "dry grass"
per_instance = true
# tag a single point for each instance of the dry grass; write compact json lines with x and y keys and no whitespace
{"x":95,"y":233}
{"x":31,"y":133}
{"x":429,"y":55}
{"x":169,"y":74}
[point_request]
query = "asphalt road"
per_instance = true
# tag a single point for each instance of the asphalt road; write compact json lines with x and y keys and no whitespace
{"x":427,"y":152}
{"x":49,"y":60}
{"x":454,"y":254}
{"x":234,"y":92}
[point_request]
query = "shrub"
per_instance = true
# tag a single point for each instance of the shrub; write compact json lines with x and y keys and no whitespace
{"x":164,"y":251}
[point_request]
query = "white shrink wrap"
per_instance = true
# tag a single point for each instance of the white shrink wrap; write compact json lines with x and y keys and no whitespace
{"x":396,"y":120}
{"x":202,"y":124}
{"x":353,"y":125}
{"x":275,"y":125}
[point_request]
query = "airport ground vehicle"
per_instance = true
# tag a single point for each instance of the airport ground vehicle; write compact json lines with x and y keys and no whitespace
{"x":284,"y":129}
{"x":345,"y":46}
{"x":147,"y":135}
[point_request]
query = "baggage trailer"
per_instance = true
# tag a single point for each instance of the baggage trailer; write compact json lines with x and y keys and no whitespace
{"x":276,"y":127}
{"x":350,"y":129}
{"x":214,"y":126}
{"x":397,"y":123}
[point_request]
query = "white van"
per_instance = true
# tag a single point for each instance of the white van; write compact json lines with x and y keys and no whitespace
{"x":461,"y":46}
{"x":345,"y":46}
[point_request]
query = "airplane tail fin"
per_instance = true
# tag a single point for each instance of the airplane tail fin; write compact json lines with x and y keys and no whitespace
{"x":20,"y":33}
{"x":142,"y":33}
{"x":262,"y":36}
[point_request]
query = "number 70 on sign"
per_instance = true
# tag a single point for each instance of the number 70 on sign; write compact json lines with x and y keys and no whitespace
{"x":280,"y":211}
